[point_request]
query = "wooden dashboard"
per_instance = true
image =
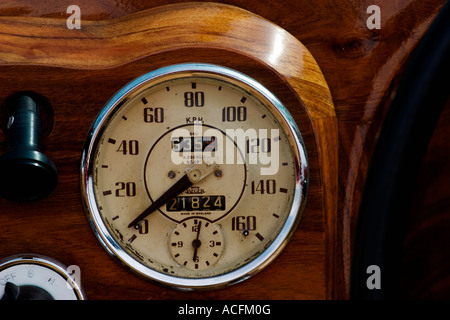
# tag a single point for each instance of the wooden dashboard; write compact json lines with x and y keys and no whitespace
{"x":335,"y":74}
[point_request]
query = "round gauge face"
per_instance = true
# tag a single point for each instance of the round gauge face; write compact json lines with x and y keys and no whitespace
{"x":195,"y":176}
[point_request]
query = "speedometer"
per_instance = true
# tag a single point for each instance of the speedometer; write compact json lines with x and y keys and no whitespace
{"x":194,"y":176}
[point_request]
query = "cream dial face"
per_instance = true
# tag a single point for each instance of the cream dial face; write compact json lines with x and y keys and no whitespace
{"x":231,"y":151}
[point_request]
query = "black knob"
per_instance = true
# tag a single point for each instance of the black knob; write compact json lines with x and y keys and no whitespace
{"x":26,"y":174}
{"x":13,"y":292}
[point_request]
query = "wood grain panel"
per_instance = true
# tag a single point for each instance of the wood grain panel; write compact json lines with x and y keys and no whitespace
{"x":358,"y":64}
{"x":65,"y":67}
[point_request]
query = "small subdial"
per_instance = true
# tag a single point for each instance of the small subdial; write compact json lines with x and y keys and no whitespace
{"x":196,"y":244}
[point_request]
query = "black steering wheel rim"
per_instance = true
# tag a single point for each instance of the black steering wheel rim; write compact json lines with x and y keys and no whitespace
{"x":393,"y":171}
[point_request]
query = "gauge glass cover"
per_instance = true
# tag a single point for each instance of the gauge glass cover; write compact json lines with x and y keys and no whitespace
{"x":221,"y":229}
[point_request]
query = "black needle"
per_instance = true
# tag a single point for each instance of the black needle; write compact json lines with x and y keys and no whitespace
{"x":196,"y":243}
{"x":194,"y":175}
{"x":175,"y":190}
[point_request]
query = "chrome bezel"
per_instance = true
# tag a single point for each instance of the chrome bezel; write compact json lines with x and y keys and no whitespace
{"x":190,"y":70}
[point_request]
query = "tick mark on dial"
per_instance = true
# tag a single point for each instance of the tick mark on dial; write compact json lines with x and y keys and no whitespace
{"x":124,"y":118}
{"x":283,"y":190}
{"x":107,"y":192}
{"x":144,"y":101}
{"x":133,"y":237}
{"x":243,"y":99}
{"x":259,"y":236}
{"x":112,"y":141}
{"x":194,"y":85}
